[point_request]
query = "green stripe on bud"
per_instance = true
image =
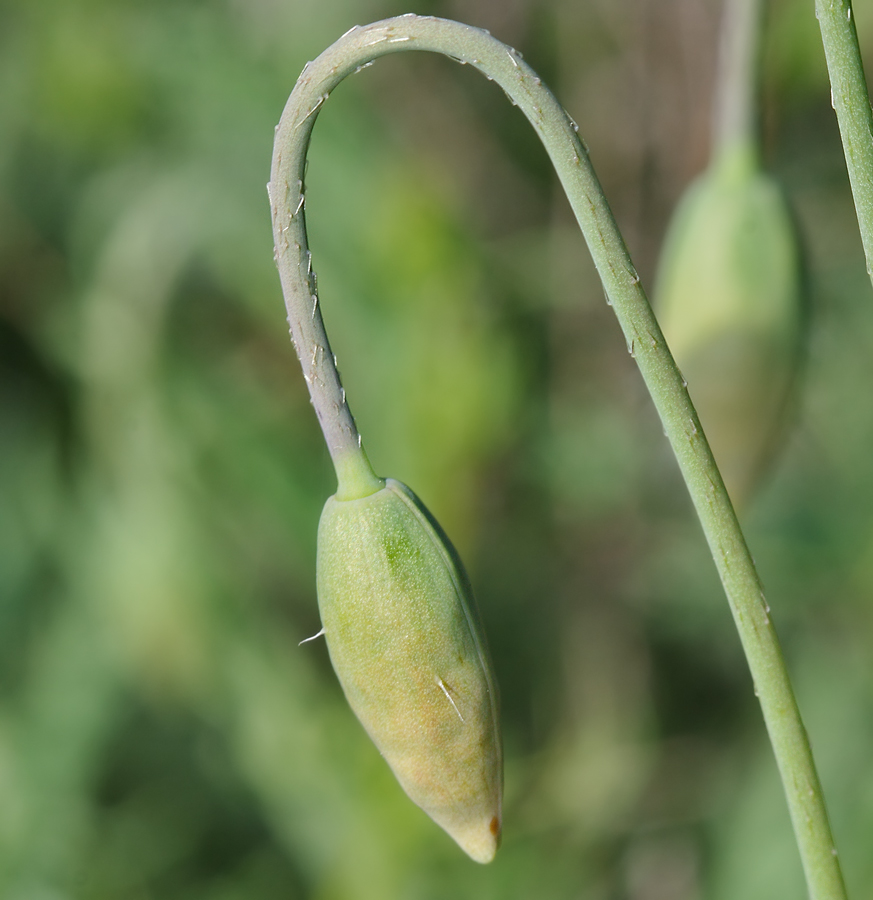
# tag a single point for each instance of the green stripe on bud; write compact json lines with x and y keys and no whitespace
{"x":405,"y":642}
{"x":728,"y":299}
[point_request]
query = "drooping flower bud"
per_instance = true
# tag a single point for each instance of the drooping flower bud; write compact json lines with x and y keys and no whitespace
{"x":404,"y":639}
{"x":728,"y":299}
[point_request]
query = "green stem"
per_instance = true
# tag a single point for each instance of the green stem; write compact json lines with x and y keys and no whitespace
{"x":355,"y":475}
{"x":644,"y":340}
{"x":852,"y":104}
{"x":736,"y":108}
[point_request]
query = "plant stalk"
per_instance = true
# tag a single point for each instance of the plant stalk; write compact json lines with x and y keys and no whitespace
{"x":645,"y":343}
{"x":851,"y":102}
{"x":735,"y":119}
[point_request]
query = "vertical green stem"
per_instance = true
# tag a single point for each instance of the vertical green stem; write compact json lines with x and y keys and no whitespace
{"x":736,"y":108}
{"x":852,"y":104}
{"x":644,"y":341}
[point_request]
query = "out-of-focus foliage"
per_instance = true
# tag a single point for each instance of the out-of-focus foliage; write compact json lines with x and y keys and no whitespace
{"x":161,"y":473}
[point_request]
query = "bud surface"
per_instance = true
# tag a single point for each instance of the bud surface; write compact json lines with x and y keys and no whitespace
{"x":404,"y":639}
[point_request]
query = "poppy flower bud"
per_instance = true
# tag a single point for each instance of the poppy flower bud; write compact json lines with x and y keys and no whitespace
{"x":728,"y":299}
{"x":404,"y":639}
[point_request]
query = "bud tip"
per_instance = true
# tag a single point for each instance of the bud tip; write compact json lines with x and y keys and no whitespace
{"x":481,"y":841}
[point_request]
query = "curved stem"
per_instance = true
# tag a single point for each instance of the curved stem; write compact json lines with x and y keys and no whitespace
{"x":355,"y":475}
{"x":851,"y":102}
{"x":644,"y":340}
{"x":735,"y":119}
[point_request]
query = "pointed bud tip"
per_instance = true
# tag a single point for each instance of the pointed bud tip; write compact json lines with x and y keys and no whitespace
{"x":481,"y":840}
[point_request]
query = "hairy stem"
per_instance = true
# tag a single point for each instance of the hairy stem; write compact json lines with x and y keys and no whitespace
{"x":852,"y":104}
{"x":355,"y":475}
{"x":644,"y":341}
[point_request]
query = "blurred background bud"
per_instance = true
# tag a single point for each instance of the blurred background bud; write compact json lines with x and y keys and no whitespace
{"x":728,"y":298}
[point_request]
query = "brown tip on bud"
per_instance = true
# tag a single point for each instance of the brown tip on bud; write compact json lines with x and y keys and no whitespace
{"x":480,"y":842}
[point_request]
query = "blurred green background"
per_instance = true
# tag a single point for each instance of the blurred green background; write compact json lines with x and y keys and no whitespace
{"x":162,"y":734}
